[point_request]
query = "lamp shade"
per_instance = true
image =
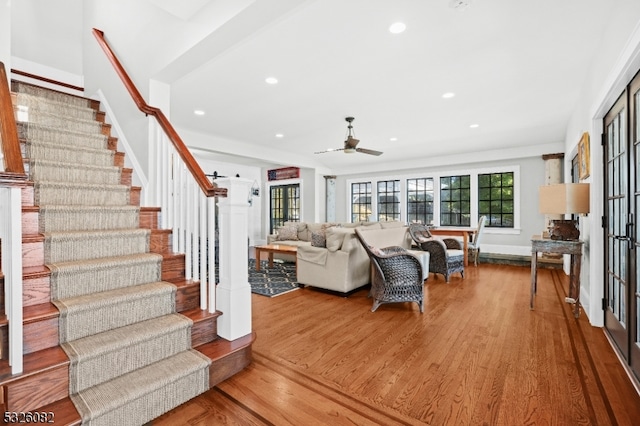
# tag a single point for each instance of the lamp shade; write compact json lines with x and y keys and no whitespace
{"x":564,"y":198}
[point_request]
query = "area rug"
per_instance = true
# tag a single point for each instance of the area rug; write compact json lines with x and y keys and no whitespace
{"x":271,"y":282}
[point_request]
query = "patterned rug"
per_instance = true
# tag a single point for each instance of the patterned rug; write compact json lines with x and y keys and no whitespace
{"x":274,"y":281}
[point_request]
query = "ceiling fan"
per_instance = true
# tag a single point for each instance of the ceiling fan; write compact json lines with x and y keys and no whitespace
{"x":351,"y":143}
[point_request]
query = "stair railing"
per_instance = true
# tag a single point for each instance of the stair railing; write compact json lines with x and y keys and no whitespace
{"x":185,"y":194}
{"x":12,"y":179}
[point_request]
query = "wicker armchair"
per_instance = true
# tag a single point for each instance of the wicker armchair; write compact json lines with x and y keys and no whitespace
{"x":396,"y":275}
{"x":445,"y":254}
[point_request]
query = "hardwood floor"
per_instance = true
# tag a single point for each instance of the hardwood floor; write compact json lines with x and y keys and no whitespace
{"x":476,"y":356}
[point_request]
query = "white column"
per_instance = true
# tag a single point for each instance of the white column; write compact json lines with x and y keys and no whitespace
{"x":233,"y":295}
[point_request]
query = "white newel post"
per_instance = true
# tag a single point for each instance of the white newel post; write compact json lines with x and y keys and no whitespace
{"x":233,"y":295}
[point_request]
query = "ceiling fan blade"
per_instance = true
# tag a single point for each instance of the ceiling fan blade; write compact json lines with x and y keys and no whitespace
{"x":329,"y":150}
{"x":368,"y":151}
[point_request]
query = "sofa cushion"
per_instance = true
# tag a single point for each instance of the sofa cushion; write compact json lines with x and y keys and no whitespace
{"x":287,"y":233}
{"x":303,"y":232}
{"x":335,"y":235}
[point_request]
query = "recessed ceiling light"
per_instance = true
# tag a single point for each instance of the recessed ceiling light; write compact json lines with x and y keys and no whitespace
{"x":271,"y":80}
{"x":448,"y":95}
{"x":198,"y":112}
{"x":393,"y":139}
{"x":474,"y":126}
{"x":397,"y":28}
{"x":279,"y":135}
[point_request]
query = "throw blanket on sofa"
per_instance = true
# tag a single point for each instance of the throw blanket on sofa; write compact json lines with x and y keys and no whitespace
{"x":318,"y":257}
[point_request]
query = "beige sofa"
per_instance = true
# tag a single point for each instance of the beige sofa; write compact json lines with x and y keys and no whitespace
{"x":343,"y":265}
{"x":304,"y":232}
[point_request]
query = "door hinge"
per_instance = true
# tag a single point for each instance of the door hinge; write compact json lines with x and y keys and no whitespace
{"x":604,"y":221}
{"x":604,"y":304}
{"x":603,"y":139}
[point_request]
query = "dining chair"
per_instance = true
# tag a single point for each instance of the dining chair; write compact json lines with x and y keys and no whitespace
{"x":474,"y":245}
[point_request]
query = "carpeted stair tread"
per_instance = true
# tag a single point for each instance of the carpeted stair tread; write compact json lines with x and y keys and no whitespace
{"x":82,"y":316}
{"x":62,"y":218}
{"x":101,"y":357}
{"x":85,"y":245}
{"x":77,"y":278}
{"x":59,"y":122}
{"x":76,"y":193}
{"x":142,"y":395}
{"x":69,"y":153}
{"x":35,"y":131}
{"x":26,"y":103}
{"x":21,"y":87}
{"x":46,"y":170}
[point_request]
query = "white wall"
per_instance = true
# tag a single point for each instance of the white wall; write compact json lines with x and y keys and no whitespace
{"x":617,"y":61}
{"x":5,"y":34}
{"x":48,"y":33}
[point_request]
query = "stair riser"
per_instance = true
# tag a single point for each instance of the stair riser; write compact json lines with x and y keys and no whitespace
{"x":204,"y":331}
{"x":173,"y":268}
{"x":28,"y":197}
{"x":43,"y":333}
{"x":32,"y":254}
{"x":160,"y":241}
{"x":148,"y":219}
{"x":37,"y":288}
{"x":40,"y":335}
{"x":38,"y":390}
{"x":188,"y":297}
{"x":226,"y":367}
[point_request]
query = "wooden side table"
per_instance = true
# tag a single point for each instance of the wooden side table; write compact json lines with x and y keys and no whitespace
{"x":573,"y":248}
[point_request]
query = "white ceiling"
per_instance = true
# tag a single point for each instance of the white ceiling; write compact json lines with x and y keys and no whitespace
{"x":516,"y":68}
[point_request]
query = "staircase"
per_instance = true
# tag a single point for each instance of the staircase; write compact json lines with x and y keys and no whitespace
{"x":113,"y":332}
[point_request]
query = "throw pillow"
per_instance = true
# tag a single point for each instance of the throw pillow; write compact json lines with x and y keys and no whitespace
{"x":318,"y":239}
{"x":287,"y":233}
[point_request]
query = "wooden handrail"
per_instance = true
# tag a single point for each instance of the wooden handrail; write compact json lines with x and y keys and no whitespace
{"x":13,"y":165}
{"x":209,"y":189}
{"x":47,"y":80}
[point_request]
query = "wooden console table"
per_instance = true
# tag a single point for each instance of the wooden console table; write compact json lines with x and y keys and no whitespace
{"x":573,"y":248}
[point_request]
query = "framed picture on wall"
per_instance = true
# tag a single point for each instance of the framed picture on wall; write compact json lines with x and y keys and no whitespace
{"x":583,"y":156}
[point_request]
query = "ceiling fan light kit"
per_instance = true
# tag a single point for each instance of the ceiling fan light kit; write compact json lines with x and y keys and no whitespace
{"x":351,"y":143}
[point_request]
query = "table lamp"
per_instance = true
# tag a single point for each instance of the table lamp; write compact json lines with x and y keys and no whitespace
{"x":564,"y":198}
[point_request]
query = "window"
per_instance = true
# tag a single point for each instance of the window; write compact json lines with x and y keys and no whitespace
{"x":285,"y":204}
{"x":361,"y":201}
{"x":389,"y":200}
{"x":420,"y":200}
{"x":495,"y":199}
{"x":455,"y":200}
